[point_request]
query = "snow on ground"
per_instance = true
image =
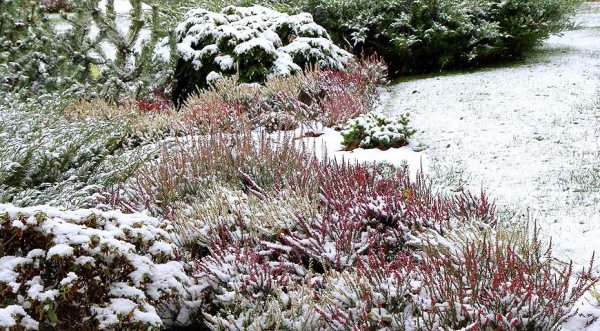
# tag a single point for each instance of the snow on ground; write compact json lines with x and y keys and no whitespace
{"x":330,"y":142}
{"x":528,"y":134}
{"x":122,"y":6}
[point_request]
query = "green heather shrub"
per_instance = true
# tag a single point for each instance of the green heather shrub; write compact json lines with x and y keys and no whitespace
{"x":49,"y":158}
{"x":312,"y":98}
{"x":423,"y":35}
{"x":375,"y":130}
{"x":254,"y":43}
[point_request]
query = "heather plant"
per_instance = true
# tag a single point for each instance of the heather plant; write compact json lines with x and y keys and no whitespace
{"x":249,"y":251}
{"x":147,"y":122}
{"x":295,"y":242}
{"x":88,"y":270}
{"x":489,"y":285}
{"x":213,"y":117}
{"x":254,"y":43}
{"x":187,"y":167}
{"x":375,"y":130}
{"x":319,"y":96}
{"x":343,"y":95}
{"x":376,"y":293}
{"x":61,"y":153}
{"x":284,"y":111}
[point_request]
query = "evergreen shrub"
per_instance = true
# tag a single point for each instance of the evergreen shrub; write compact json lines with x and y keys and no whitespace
{"x":88,"y":270}
{"x":375,"y":130}
{"x":426,"y":35}
{"x":255,"y":43}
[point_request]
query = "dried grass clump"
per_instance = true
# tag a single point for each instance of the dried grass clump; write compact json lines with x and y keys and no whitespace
{"x":145,"y":125}
{"x":99,"y":108}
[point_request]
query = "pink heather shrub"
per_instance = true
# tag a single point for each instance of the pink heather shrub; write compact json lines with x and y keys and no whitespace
{"x":345,"y":95}
{"x":351,"y":256}
{"x":159,"y":103}
{"x":326,"y":96}
{"x":379,"y":292}
{"x":279,"y":238}
{"x":281,"y":111}
{"x":188,"y":167}
{"x":238,"y":274}
{"x":489,"y":286}
{"x":215,"y":116}
{"x":360,"y":211}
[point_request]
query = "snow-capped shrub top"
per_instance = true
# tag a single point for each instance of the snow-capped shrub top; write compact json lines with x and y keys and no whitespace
{"x":375,"y":130}
{"x":255,"y":42}
{"x":88,"y":269}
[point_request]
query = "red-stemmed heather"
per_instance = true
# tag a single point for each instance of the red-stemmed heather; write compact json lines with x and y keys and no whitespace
{"x":187,"y":167}
{"x":377,"y":294}
{"x":340,"y":106}
{"x":488,"y":285}
{"x":327,"y":96}
{"x":159,"y":103}
{"x":281,"y":111}
{"x":243,"y":274}
{"x":344,"y":95}
{"x":351,"y":252}
{"x":247,"y":266}
{"x":216,"y":116}
{"x":363,"y":211}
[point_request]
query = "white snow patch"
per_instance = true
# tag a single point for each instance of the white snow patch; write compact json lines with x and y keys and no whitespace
{"x":60,"y":250}
{"x":122,"y":6}
{"x":526,"y":133}
{"x":331,"y":142}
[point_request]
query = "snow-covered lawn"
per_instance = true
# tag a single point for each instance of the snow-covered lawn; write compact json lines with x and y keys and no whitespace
{"x":528,"y":134}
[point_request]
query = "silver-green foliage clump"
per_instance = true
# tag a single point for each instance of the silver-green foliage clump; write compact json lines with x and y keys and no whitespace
{"x":48,"y":159}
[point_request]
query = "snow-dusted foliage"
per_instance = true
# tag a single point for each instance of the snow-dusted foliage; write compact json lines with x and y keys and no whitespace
{"x":375,"y":130}
{"x":47,"y":159}
{"x":27,"y":58}
{"x":327,"y":97}
{"x":256,"y":43}
{"x":88,"y":269}
{"x":390,"y":256}
{"x":427,"y":35}
{"x":60,"y":154}
{"x":128,"y":59}
{"x":68,"y":55}
{"x":285,"y":240}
